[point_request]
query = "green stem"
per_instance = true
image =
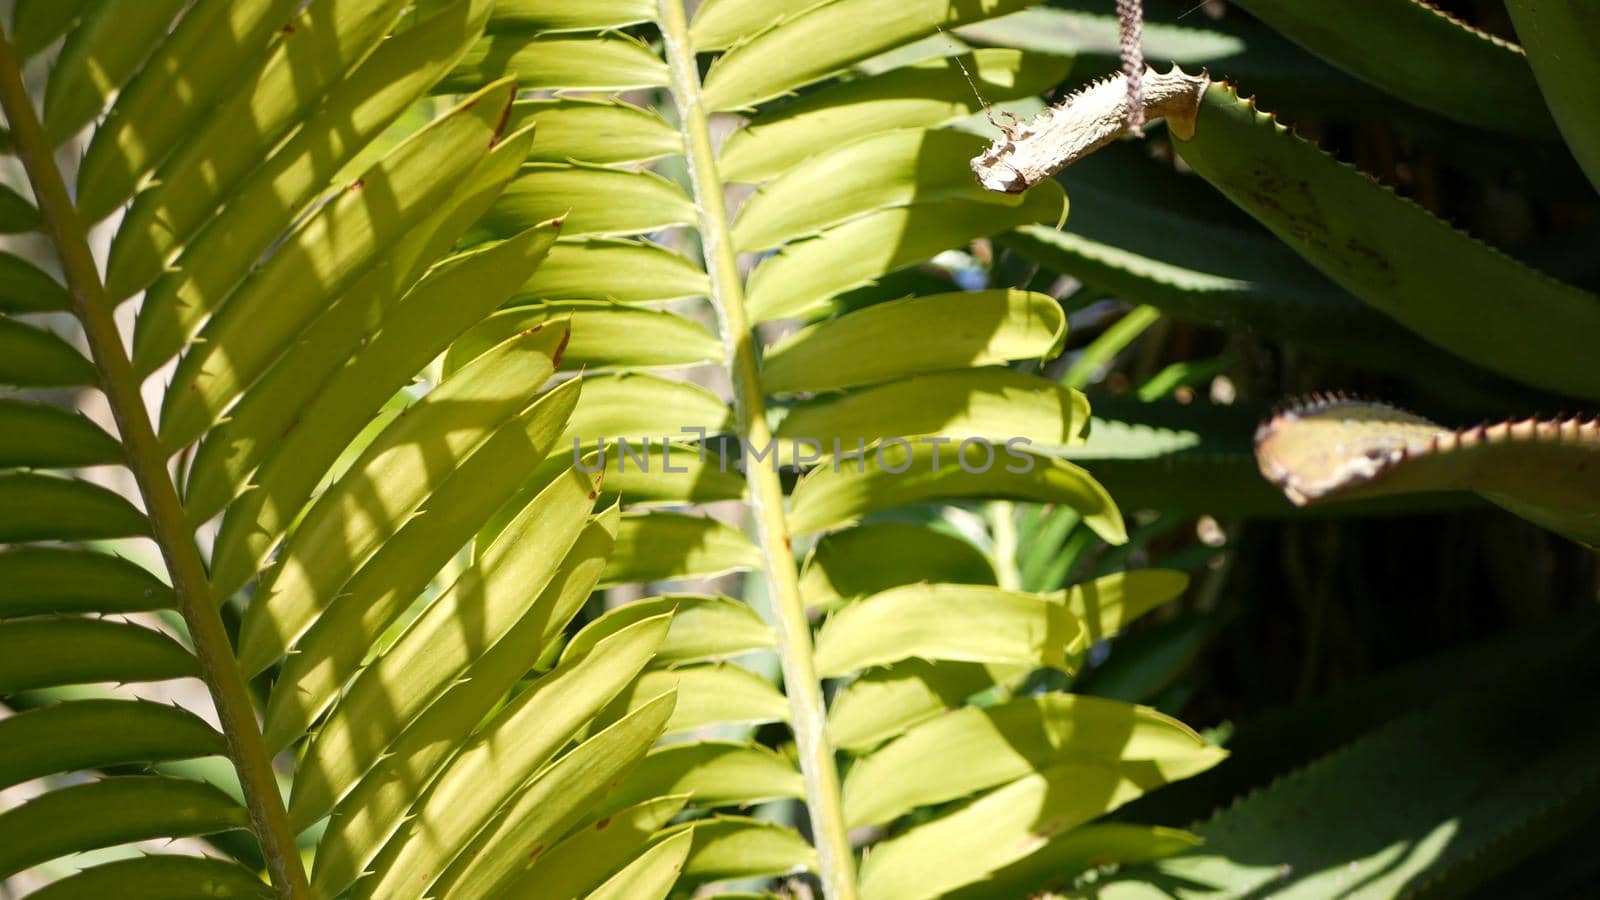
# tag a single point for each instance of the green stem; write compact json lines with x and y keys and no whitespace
{"x":1003,"y":532}
{"x":835,"y":859}
{"x":169,"y":525}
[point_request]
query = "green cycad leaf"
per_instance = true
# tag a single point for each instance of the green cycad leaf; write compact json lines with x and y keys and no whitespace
{"x":158,"y":878}
{"x":719,"y":24}
{"x":727,"y":847}
{"x":369,"y":806}
{"x":36,"y":24}
{"x":110,"y":812}
{"x":638,"y":202}
{"x":322,"y":43}
{"x":969,"y":329}
{"x":216,"y":45}
{"x":1066,"y":856}
{"x":99,"y":54}
{"x":884,"y":702}
{"x":48,"y":652}
{"x":703,"y":628}
{"x":801,"y":277}
{"x":930,"y":860}
{"x":660,"y":546}
{"x":587,"y":857}
{"x":438,"y":648}
{"x":925,"y":94}
{"x":896,"y":473}
{"x":24,"y":288}
{"x":617,"y":270}
{"x":893,"y":169}
{"x":461,"y":413}
{"x":558,"y":15}
{"x":604,"y":335}
{"x":851,"y":564}
{"x":706,"y":695}
{"x":972,"y":749}
{"x":712,"y":774}
{"x":57,"y":579}
{"x":595,"y":131}
{"x":259,"y":320}
{"x":37,"y":507}
{"x":587,"y":62}
{"x":966,"y":623}
{"x":33,"y":357}
{"x":650,"y":876}
{"x":1542,"y":470}
{"x":89,"y":734}
{"x":1560,"y":36}
{"x":553,"y":801}
{"x":33,"y":435}
{"x":357,"y":355}
{"x":824,"y":39}
{"x":994,"y":403}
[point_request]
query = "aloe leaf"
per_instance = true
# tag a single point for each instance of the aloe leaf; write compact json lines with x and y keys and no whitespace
{"x":824,"y":39}
{"x":1421,"y":54}
{"x":58,"y":579}
{"x":1445,"y":286}
{"x":965,"y":623}
{"x":1542,"y":470}
{"x":802,"y":276}
{"x":1446,"y":797}
{"x":92,"y":734}
{"x":110,"y":812}
{"x":1560,"y":36}
{"x":974,"y":329}
{"x":703,"y":628}
{"x":847,"y":565}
